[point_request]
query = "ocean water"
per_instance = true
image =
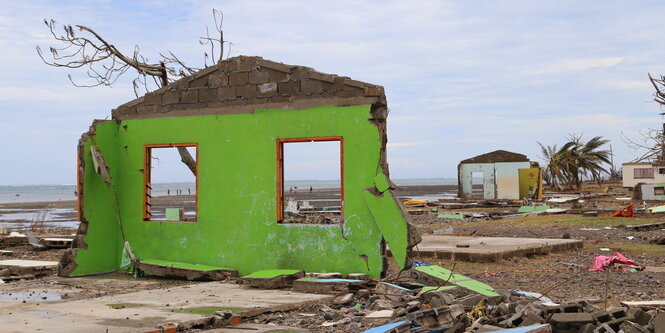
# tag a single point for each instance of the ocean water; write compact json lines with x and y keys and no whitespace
{"x":39,"y":193}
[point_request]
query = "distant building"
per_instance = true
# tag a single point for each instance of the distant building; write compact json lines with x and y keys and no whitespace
{"x":505,"y":175}
{"x":642,"y":172}
{"x":650,"y":176}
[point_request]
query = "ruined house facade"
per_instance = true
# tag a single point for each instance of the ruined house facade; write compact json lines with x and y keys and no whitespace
{"x":235,"y":117}
{"x":505,"y":175}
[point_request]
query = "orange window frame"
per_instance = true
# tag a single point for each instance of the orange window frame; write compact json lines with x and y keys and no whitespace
{"x":147,"y":168}
{"x":280,"y":169}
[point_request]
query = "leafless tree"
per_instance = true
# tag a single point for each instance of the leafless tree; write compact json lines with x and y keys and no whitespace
{"x":82,"y":47}
{"x":651,"y":144}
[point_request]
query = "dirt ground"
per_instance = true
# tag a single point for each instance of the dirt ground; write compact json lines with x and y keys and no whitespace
{"x":558,"y":275}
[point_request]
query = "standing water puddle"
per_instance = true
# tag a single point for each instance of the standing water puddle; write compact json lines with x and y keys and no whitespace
{"x":28,"y":296}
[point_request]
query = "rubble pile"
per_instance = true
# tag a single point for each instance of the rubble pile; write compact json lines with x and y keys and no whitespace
{"x":409,"y":305}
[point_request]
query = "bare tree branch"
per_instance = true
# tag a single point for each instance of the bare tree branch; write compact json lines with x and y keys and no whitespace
{"x":105,"y":63}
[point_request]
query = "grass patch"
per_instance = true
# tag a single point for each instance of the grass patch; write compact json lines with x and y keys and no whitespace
{"x":632,"y":249}
{"x":209,"y":310}
{"x":124,"y":305}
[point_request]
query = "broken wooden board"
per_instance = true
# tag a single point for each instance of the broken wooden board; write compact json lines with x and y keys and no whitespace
{"x":56,"y":243}
{"x":644,"y":304}
{"x":185,"y":270}
{"x":272,"y":279}
{"x":327,"y":286}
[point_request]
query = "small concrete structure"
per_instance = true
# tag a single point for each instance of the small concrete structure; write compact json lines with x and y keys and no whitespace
{"x":649,"y":192}
{"x":491,"y":249}
{"x":642,"y":172}
{"x":506,"y":175}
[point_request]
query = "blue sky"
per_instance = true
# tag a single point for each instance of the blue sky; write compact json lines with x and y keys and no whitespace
{"x":462,"y":77}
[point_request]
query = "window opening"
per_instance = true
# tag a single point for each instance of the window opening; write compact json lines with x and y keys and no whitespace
{"x":171,"y":182}
{"x":643,"y":173}
{"x":310,"y":180}
{"x":659,"y":190}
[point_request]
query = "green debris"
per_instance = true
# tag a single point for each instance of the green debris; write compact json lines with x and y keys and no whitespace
{"x":124,"y":305}
{"x":458,"y":280}
{"x":272,"y":273}
{"x":381,"y":182}
{"x":195,"y":267}
{"x":450,"y":216}
{"x":438,"y":288}
{"x":533,"y":209}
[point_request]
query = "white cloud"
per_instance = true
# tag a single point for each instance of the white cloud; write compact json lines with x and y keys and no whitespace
{"x":573,"y":65}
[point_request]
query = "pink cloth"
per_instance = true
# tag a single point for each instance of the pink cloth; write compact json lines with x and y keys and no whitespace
{"x":600,"y":263}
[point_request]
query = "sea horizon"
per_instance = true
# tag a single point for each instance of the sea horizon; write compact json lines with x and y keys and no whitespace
{"x":63,"y":192}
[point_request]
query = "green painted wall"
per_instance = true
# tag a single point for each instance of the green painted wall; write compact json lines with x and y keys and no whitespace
{"x":236,"y":225}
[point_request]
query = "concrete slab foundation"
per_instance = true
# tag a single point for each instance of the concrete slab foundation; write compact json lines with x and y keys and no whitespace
{"x":490,"y":249}
{"x":144,"y":310}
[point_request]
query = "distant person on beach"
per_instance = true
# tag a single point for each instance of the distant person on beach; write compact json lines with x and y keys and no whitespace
{"x":189,"y":191}
{"x":310,"y":189}
{"x":168,"y":192}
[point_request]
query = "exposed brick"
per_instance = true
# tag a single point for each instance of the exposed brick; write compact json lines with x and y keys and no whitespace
{"x":226,"y":93}
{"x":289,"y":88}
{"x":199,"y":82}
{"x":218,"y":80}
{"x":259,"y":77}
{"x":373,"y":91}
{"x":239,"y":78}
{"x":322,"y":77}
{"x":189,"y":96}
{"x":153,"y":99}
{"x":247,"y":64}
{"x":300,"y":73}
{"x":348,"y":93}
{"x":339,"y":82}
{"x":170,"y":97}
{"x":274,"y":65}
{"x":276,"y":76}
{"x":280,"y":99}
{"x":147,"y":108}
{"x":208,"y":95}
{"x":311,"y":87}
{"x":246,"y":91}
{"x":267,"y":89}
{"x":328,"y":87}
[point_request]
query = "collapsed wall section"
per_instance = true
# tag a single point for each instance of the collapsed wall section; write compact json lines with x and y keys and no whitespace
{"x":254,"y":96}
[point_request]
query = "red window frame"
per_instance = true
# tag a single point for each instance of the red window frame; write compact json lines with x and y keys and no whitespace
{"x":147,"y":167}
{"x":280,"y":170}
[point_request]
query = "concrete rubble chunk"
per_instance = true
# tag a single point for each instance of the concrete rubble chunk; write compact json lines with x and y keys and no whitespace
{"x":272,"y":279}
{"x":343,"y":299}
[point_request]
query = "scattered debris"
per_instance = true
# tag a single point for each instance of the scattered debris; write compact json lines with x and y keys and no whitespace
{"x":601,"y":263}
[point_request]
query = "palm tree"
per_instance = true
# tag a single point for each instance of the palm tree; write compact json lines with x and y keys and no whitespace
{"x":575,"y":160}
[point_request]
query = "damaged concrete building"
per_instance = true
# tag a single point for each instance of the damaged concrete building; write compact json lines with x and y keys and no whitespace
{"x":504,"y":174}
{"x":232,"y":121}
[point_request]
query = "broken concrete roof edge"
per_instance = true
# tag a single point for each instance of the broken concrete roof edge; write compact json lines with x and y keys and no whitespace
{"x":246,"y":80}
